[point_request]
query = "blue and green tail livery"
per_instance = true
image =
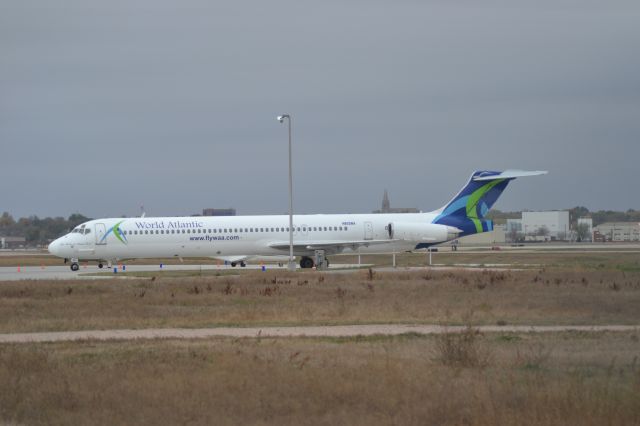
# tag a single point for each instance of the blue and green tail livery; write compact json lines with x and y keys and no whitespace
{"x":467,"y":209}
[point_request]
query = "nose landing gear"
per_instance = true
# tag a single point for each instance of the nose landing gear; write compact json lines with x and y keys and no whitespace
{"x":74,"y":265}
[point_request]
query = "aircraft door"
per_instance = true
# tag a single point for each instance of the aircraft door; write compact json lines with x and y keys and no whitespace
{"x":368,"y":231}
{"x":101,"y":229}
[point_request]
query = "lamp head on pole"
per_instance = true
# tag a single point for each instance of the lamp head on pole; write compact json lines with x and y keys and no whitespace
{"x":282,"y":117}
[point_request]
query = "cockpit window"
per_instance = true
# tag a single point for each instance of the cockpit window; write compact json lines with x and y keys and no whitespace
{"x":87,"y":231}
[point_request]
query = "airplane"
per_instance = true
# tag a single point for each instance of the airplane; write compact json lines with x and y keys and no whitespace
{"x":237,"y":238}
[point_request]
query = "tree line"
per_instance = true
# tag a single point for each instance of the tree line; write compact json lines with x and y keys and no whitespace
{"x":38,"y":231}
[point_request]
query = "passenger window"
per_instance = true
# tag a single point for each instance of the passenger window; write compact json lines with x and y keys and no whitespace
{"x":325,"y":228}
{"x":298,"y":229}
{"x":246,"y":230}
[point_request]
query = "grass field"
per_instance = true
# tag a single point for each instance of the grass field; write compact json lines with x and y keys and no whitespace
{"x":509,"y":379}
{"x":283,"y":298}
{"x":467,"y":378}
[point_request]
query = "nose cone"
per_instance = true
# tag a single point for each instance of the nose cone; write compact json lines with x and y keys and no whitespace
{"x":54,"y":247}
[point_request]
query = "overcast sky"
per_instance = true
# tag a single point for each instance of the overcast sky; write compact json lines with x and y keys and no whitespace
{"x":107,"y":105}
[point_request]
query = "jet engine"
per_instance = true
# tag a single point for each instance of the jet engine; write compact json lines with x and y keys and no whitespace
{"x":422,"y":232}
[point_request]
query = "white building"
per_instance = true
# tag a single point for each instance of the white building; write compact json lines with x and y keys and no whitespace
{"x":553,"y":225}
{"x":496,"y":236}
{"x":588,"y":223}
{"x":618,"y":231}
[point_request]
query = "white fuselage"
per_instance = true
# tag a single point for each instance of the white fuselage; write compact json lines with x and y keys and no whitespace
{"x":213,"y":236}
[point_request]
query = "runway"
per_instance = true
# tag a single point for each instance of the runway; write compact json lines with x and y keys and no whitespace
{"x":86,"y":272}
{"x":306,"y":331}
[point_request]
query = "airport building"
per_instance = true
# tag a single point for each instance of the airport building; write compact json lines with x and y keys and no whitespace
{"x":497,"y":236}
{"x":11,"y":243}
{"x":386,"y":206}
{"x":617,"y":231}
{"x":219,"y":212}
{"x":540,"y":226}
{"x":587,"y":223}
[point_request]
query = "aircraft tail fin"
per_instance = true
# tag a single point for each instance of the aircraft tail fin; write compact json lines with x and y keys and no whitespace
{"x":467,"y":209}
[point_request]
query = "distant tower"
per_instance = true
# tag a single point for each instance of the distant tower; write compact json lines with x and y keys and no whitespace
{"x":386,"y":205}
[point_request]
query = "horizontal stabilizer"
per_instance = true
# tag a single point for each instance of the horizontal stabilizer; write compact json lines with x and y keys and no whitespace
{"x":509,"y":174}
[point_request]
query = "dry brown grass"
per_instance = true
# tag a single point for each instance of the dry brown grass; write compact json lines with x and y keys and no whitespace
{"x":586,"y":379}
{"x":525,"y":297}
{"x":561,"y":259}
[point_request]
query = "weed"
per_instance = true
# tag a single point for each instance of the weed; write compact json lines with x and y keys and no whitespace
{"x":461,"y":348}
{"x":533,"y":356}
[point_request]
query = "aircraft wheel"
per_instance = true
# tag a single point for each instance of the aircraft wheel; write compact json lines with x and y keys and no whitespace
{"x":233,"y":264}
{"x":306,"y":263}
{"x":242,"y":264}
{"x":75,"y":267}
{"x":100,"y":265}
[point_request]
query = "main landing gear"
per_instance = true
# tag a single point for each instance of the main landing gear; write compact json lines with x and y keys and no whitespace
{"x":242,"y":264}
{"x":320,"y":262}
{"x":306,"y":262}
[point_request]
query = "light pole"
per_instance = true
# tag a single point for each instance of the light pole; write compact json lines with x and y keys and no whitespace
{"x":292,"y":265}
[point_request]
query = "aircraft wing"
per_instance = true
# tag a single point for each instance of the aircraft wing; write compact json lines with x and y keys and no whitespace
{"x":241,"y":257}
{"x":336,"y":245}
